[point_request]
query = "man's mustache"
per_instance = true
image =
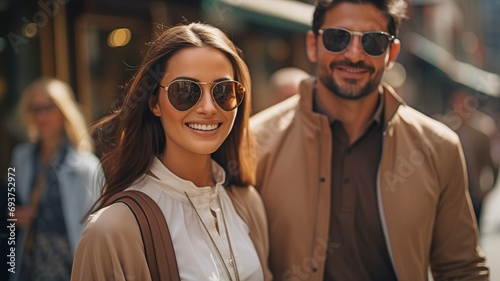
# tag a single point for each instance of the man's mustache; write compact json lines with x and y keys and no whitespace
{"x":349,"y":63}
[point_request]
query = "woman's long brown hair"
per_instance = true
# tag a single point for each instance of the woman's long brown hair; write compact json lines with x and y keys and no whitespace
{"x":131,"y":136}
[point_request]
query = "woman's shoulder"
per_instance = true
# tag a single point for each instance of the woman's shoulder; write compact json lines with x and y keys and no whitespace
{"x":84,"y":163}
{"x":111,"y":222}
{"x":23,"y":149}
{"x":110,"y":247}
{"x":83,"y":156}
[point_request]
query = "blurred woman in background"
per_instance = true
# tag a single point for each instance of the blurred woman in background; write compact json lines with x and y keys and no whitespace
{"x":55,"y":184}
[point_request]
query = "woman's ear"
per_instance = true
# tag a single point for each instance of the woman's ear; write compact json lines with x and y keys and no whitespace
{"x":154,"y":105}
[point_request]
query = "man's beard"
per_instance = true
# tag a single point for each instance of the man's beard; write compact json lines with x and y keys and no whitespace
{"x":351,"y":90}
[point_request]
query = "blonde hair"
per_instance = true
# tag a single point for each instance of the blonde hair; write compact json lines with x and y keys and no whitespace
{"x":62,"y":95}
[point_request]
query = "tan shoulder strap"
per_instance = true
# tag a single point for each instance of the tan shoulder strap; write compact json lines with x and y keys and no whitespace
{"x":158,"y":246}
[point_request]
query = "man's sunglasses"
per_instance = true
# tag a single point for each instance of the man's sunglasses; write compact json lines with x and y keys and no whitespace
{"x":184,"y":94}
{"x":336,"y":40}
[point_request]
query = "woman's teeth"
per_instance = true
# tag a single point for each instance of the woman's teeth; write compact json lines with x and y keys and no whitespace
{"x":203,"y":127}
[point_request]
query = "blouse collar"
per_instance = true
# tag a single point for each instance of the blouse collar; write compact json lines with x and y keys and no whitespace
{"x":178,"y":187}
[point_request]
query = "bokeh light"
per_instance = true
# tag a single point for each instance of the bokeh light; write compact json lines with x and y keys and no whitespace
{"x":119,"y":37}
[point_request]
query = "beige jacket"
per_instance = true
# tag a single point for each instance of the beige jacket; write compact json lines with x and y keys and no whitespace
{"x":111,"y":248}
{"x":422,"y":192}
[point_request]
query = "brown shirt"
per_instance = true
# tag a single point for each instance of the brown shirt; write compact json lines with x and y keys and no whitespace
{"x":360,"y":251}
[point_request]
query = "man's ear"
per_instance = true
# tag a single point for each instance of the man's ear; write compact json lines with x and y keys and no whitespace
{"x":395,"y":48}
{"x":311,"y":46}
{"x":154,"y":105}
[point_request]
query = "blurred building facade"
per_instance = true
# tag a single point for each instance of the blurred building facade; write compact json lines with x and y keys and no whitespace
{"x":96,"y":44}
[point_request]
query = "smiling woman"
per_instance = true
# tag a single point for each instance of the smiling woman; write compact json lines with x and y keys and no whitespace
{"x":181,"y":138}
{"x":187,"y":135}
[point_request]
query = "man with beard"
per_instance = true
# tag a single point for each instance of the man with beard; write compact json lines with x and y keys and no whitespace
{"x":357,"y":185}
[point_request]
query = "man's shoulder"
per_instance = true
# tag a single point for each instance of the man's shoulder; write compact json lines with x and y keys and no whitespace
{"x":278,"y":112}
{"x":247,"y":194}
{"x":425,"y":125}
{"x":270,"y":122}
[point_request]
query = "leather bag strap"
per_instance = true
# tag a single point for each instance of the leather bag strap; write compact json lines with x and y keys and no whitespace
{"x":158,"y":246}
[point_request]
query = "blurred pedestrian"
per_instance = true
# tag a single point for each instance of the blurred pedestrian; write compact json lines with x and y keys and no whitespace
{"x":284,"y":83}
{"x":358,"y":185}
{"x":477,"y":132}
{"x":55,"y":181}
{"x":181,"y":138}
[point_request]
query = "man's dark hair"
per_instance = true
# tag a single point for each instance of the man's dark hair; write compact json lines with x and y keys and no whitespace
{"x":395,"y":10}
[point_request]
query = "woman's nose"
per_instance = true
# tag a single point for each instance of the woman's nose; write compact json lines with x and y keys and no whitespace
{"x":206,"y":105}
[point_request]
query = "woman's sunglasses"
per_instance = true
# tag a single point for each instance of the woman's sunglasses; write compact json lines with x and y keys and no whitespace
{"x":43,"y":108}
{"x":374,"y":43}
{"x":184,"y":94}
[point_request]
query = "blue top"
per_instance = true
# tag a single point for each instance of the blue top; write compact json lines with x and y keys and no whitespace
{"x":70,"y":189}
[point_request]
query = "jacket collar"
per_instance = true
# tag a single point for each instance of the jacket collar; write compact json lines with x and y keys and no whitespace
{"x":70,"y":162}
{"x":64,"y":160}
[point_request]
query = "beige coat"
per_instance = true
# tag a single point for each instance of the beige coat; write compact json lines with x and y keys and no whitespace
{"x":112,"y":246}
{"x":422,"y":192}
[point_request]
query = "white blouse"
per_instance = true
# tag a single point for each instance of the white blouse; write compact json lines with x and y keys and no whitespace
{"x":197,"y":257}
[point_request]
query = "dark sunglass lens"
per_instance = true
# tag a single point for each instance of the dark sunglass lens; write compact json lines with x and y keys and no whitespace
{"x":336,"y":40}
{"x":375,"y":43}
{"x":183,"y":94}
{"x":228,"y":94}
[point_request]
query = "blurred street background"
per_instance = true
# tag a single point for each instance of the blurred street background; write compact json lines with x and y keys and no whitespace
{"x":95,"y":45}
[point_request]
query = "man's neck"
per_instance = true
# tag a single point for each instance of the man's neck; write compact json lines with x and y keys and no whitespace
{"x":355,"y":115}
